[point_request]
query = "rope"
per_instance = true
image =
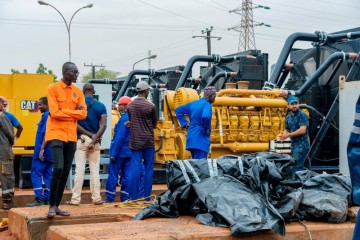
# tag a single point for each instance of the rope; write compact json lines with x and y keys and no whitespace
{"x":137,"y":203}
{"x":307,"y":230}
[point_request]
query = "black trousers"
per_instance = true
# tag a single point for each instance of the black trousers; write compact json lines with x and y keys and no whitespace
{"x":63,"y":155}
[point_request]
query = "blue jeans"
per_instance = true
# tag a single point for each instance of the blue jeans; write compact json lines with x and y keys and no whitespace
{"x":299,"y":153}
{"x":135,"y":176}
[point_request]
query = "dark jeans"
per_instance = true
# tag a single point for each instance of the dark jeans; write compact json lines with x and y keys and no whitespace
{"x":299,"y":153}
{"x":63,"y":155}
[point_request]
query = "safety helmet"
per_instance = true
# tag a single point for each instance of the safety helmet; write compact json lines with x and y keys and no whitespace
{"x":124,"y":100}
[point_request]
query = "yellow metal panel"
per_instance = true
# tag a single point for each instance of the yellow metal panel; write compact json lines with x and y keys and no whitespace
{"x":23,"y":92}
{"x":6,"y":85}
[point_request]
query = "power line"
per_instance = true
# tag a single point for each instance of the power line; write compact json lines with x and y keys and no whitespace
{"x":226,"y":8}
{"x":101,"y":24}
{"x":165,"y":48}
{"x":173,"y":13}
{"x":208,"y":5}
{"x":307,"y":9}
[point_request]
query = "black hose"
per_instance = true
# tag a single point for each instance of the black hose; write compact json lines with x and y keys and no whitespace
{"x":319,"y":37}
{"x":161,"y":144}
{"x":199,"y":58}
{"x":168,"y":108}
{"x":330,"y":60}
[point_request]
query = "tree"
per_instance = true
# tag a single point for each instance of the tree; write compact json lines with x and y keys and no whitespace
{"x":100,"y":74}
{"x":14,"y":71}
{"x":43,"y":70}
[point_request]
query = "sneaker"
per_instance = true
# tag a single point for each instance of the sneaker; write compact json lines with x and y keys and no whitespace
{"x":72,"y":203}
{"x":8,"y":205}
{"x":99,"y":202}
{"x":37,"y":202}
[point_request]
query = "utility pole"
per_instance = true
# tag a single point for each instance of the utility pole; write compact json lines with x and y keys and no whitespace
{"x":246,"y":25}
{"x":208,"y":39}
{"x":149,"y":59}
{"x":93,"y":68}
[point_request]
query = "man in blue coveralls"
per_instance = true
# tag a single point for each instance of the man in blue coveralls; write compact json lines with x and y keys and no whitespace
{"x":41,"y":168}
{"x":296,"y":128}
{"x":120,"y":155}
{"x":199,"y":127}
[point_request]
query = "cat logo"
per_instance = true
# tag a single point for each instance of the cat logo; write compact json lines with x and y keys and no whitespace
{"x":30,"y":105}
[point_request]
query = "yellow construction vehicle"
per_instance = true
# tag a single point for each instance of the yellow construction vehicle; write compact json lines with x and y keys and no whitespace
{"x":23,"y":92}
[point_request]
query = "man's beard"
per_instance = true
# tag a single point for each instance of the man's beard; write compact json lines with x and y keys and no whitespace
{"x":294,"y":110}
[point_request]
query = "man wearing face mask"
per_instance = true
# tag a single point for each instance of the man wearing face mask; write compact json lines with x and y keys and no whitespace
{"x":296,"y":128}
{"x":120,"y":155}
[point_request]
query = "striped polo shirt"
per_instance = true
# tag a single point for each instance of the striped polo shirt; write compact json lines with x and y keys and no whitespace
{"x":143,"y":118}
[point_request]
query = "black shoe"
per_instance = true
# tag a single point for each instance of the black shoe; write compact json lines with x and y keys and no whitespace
{"x":37,"y":202}
{"x":8,"y":205}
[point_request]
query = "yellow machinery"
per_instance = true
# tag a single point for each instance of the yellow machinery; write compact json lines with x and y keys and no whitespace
{"x":243,"y":121}
{"x":23,"y":92}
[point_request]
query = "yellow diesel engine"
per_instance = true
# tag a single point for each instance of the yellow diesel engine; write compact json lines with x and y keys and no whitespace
{"x":243,"y":121}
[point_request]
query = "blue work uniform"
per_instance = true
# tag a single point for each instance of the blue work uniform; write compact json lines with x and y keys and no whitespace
{"x":198,"y":134}
{"x":353,"y":154}
{"x":299,"y":145}
{"x":41,"y":170}
{"x":12,"y":119}
{"x":120,"y":150}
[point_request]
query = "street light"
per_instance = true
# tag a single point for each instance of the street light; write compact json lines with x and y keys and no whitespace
{"x":148,"y":57}
{"x":67,"y":25}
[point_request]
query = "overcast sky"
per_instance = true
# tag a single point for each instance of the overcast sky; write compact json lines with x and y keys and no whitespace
{"x":117,"y":33}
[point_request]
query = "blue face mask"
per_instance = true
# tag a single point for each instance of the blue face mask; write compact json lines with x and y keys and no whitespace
{"x":122,"y":112}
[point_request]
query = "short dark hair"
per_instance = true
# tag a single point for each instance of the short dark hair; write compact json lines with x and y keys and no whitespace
{"x":44,"y":100}
{"x":88,"y":87}
{"x":65,"y":67}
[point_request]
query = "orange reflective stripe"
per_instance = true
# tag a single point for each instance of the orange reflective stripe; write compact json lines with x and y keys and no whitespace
{"x":63,"y":101}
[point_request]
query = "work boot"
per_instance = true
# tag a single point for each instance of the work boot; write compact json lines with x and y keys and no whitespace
{"x":37,"y":202}
{"x":8,"y":205}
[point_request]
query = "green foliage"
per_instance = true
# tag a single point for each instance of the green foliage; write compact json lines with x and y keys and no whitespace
{"x":100,"y":74}
{"x":14,"y":71}
{"x":43,"y":70}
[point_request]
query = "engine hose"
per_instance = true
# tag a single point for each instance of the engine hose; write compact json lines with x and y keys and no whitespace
{"x":161,"y":144}
{"x":168,"y":108}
